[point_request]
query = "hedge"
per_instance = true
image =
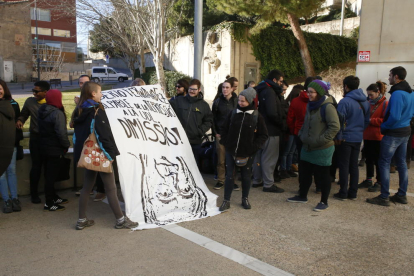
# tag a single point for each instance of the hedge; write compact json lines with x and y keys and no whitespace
{"x":277,"y":48}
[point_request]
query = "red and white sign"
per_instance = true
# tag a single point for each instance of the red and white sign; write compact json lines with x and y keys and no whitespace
{"x":363,"y":56}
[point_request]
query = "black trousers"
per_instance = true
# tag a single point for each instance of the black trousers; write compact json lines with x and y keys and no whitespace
{"x":52,"y":164}
{"x":372,"y":152}
{"x":348,"y":153}
{"x":334,"y":166}
{"x":322,"y":179}
{"x":246,"y":175}
{"x":37,"y":164}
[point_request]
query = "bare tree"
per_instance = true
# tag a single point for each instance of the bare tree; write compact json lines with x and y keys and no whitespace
{"x":51,"y":61}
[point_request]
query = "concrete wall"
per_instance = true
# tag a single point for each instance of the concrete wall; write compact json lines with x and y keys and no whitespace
{"x":386,"y":32}
{"x":15,"y":39}
{"x":333,"y":27}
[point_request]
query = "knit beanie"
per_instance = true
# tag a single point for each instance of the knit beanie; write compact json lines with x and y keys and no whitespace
{"x":54,"y":97}
{"x":320,"y":86}
{"x":249,"y":93}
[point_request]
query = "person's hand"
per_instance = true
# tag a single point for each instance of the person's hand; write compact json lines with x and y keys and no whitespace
{"x":218,"y":136}
{"x":76,"y":99}
{"x":71,"y":124}
{"x":19,"y":124}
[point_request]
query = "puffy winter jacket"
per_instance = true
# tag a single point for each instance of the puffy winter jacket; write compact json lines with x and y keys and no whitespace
{"x":221,"y":108}
{"x":52,"y":129}
{"x":377,"y":112}
{"x":8,"y":133}
{"x":195,"y":116}
{"x":297,"y":112}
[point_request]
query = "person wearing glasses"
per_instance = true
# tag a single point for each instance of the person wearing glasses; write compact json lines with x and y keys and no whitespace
{"x":181,"y":88}
{"x":30,"y":109}
{"x":194,"y":114}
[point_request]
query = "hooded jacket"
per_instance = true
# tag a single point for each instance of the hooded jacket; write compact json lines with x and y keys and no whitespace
{"x":252,"y":136}
{"x":83,"y":127}
{"x":297,"y":112}
{"x":52,"y":129}
{"x":317,"y":134}
{"x":399,"y":112}
{"x":377,"y":113}
{"x":356,"y":118}
{"x":221,"y":108}
{"x":195,"y":116}
{"x":8,"y":134}
{"x":271,"y":108}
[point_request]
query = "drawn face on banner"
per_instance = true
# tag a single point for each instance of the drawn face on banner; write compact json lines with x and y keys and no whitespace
{"x":170,"y":193}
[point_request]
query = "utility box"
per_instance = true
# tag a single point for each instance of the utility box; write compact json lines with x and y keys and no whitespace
{"x":8,"y":71}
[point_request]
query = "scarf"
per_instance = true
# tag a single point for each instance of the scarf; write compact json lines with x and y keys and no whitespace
{"x":317,"y":104}
{"x":89,"y":103}
{"x":42,"y":101}
{"x":374,"y":101}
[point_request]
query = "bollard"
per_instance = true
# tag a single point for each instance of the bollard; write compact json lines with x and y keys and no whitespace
{"x":70,"y":79}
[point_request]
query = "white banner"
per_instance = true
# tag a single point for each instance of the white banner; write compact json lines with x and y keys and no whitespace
{"x":160,"y":180}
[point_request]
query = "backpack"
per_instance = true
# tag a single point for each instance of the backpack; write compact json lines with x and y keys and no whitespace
{"x":206,"y":154}
{"x":342,"y":121}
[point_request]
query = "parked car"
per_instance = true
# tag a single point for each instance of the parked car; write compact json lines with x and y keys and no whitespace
{"x":107,"y":74}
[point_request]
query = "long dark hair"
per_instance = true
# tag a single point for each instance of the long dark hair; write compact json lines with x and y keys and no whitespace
{"x":7,"y":94}
{"x":377,"y":87}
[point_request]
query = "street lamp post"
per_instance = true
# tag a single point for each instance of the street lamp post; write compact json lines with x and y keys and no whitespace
{"x":37,"y":44}
{"x":198,"y":38}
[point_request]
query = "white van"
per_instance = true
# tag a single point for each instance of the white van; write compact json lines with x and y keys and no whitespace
{"x":99,"y":74}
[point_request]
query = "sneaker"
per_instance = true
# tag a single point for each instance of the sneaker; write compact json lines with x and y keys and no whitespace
{"x":257,"y":185}
{"x":245,"y":203}
{"x":321,"y":207}
{"x":375,"y":188}
{"x":277,"y":178}
{"x":379,"y":201}
{"x":297,"y":199}
{"x":361,"y":162}
{"x":351,"y":197}
{"x":393,"y":169}
{"x":78,"y":193}
{"x":399,"y":199}
{"x":16,"y":205}
{"x":53,"y":207}
{"x":215,"y":177}
{"x":340,"y":197}
{"x":365,"y":184}
{"x":292,"y":174}
{"x":273,"y":189}
{"x":99,"y":197}
{"x":83,"y":224}
{"x":8,"y":206}
{"x":36,"y":200}
{"x":224,"y":206}
{"x":218,"y":186}
{"x":59,"y":200}
{"x":126,"y":223}
{"x":236,"y":187}
{"x":284,"y":174}
{"x":294,"y":168}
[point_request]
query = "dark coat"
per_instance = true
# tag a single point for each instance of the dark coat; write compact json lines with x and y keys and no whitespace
{"x":195,"y":116}
{"x":52,"y":129}
{"x":8,"y":134}
{"x":221,"y":108}
{"x":19,"y":132}
{"x":83,"y":124}
{"x":251,"y":137}
{"x":271,"y":107}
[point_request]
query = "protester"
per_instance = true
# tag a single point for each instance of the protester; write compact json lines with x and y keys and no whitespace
{"x":270,"y":107}
{"x":396,"y":130}
{"x":235,"y":83}
{"x":194,"y":114}
{"x":243,"y":133}
{"x":181,"y":88}
{"x":251,"y":84}
{"x":92,"y":113}
{"x":317,"y":134}
{"x":285,"y":144}
{"x":8,"y":134}
{"x":226,"y":103}
{"x":355,"y":109}
{"x":8,"y":179}
{"x":138,"y":82}
{"x":372,"y":135}
{"x":54,"y":142}
{"x":30,"y":109}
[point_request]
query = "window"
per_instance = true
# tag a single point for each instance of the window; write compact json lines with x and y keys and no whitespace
{"x":110,"y":71}
{"x":61,"y":33}
{"x":99,"y":70}
{"x":42,"y":31}
{"x":42,"y":15}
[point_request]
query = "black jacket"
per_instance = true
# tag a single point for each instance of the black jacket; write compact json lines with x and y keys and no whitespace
{"x":83,"y":124}
{"x":251,"y":137}
{"x":271,"y":108}
{"x":19,"y":132}
{"x":195,"y":116}
{"x":7,"y":134}
{"x":221,"y":108}
{"x":52,"y":129}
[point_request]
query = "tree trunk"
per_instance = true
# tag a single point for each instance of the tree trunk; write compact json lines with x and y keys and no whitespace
{"x":160,"y":74}
{"x":303,"y":48}
{"x":142,"y":56}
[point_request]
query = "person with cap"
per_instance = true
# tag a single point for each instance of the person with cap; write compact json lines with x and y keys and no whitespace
{"x":317,"y":136}
{"x":355,"y":109}
{"x":54,"y":142}
{"x":242,"y":134}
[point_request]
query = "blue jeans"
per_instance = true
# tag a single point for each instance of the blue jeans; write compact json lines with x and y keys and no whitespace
{"x":397,"y":147}
{"x":287,"y":157}
{"x":9,"y":180}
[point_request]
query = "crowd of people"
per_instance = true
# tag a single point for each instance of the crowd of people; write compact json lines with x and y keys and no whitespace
{"x":259,"y":132}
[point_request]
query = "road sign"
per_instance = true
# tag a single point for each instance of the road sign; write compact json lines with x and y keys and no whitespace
{"x":363,"y":56}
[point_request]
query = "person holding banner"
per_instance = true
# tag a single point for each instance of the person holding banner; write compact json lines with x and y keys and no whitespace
{"x":242,"y":134}
{"x":194,"y":114}
{"x":91,"y":112}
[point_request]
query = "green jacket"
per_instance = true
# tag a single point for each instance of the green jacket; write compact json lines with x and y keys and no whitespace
{"x":316,"y":134}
